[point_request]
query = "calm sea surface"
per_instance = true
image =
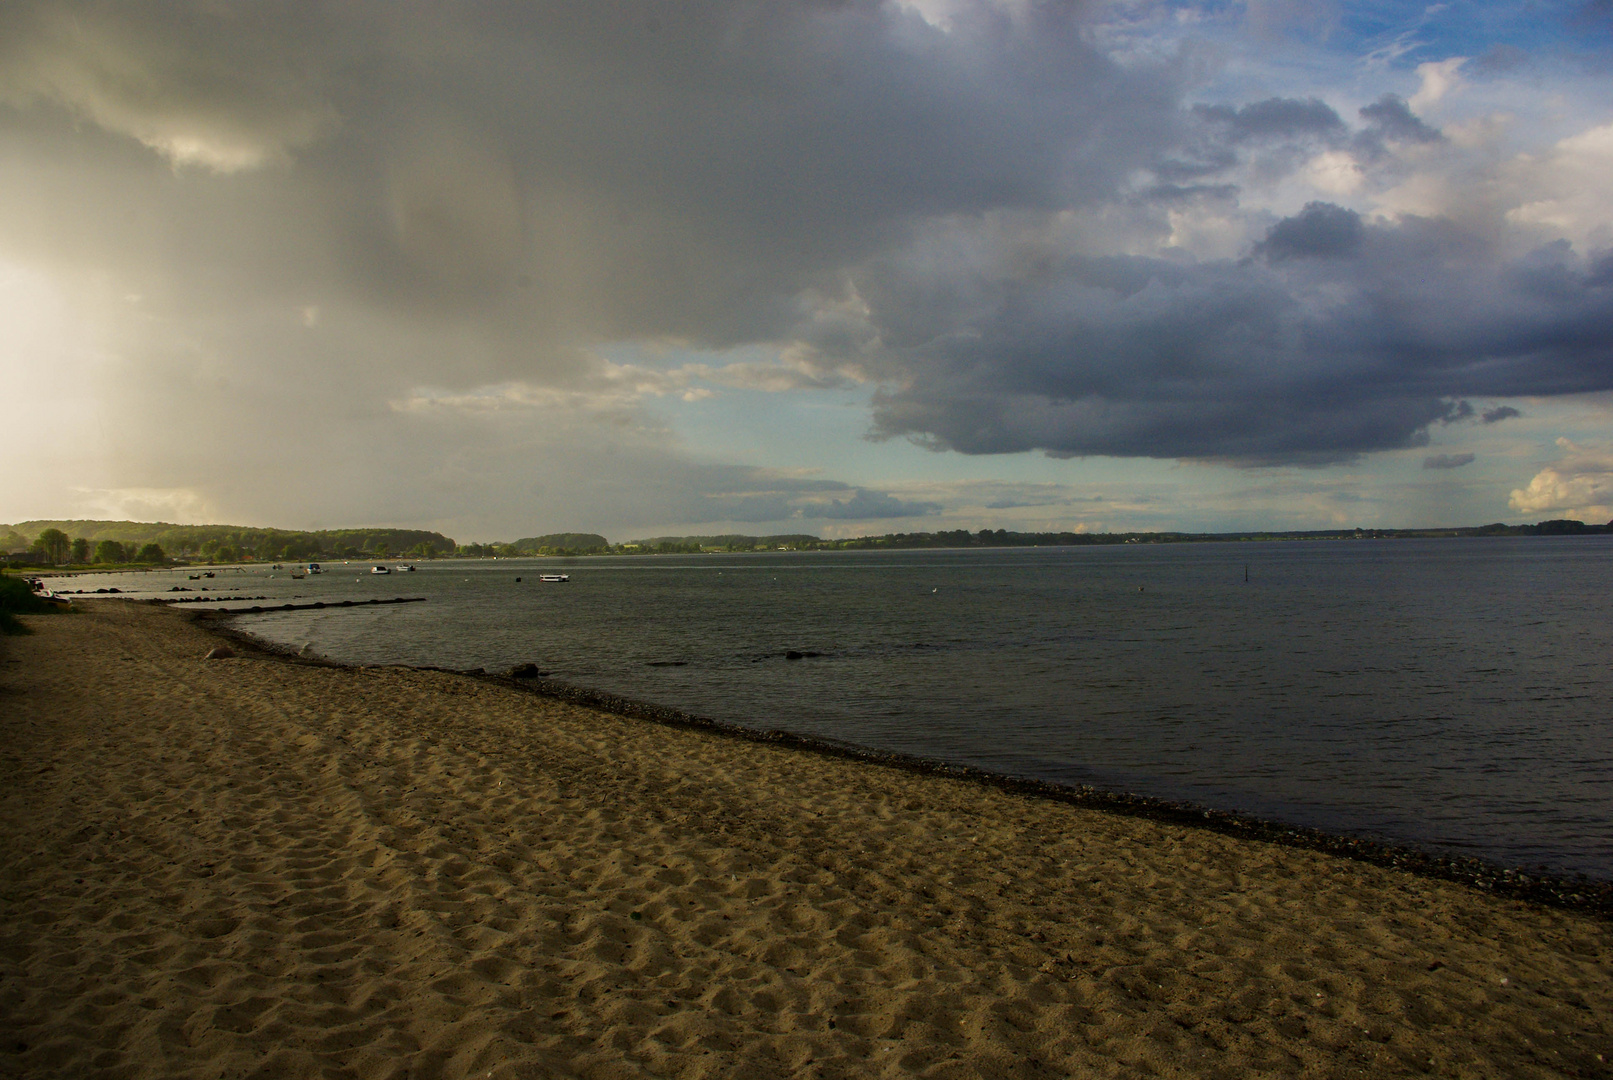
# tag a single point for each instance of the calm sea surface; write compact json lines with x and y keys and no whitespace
{"x":1456,"y":694}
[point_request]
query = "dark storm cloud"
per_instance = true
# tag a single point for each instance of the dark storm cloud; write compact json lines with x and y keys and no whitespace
{"x":1389,"y":121}
{"x":1216,"y":137}
{"x":1391,"y":118}
{"x":1274,"y":118}
{"x":1447,"y":461}
{"x":1320,"y":231}
{"x":1348,"y":338}
{"x":1500,"y":413}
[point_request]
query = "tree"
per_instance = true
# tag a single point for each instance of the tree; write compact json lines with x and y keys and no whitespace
{"x":110,"y":551}
{"x":382,"y":548}
{"x":55,"y":544}
{"x":151,"y":553}
{"x":81,"y":550}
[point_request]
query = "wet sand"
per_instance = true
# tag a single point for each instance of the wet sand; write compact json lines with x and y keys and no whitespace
{"x":253,"y":867}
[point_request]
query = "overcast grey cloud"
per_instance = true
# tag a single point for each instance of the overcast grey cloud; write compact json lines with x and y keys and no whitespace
{"x":873,"y":505}
{"x":371,"y":237}
{"x":529,"y":179}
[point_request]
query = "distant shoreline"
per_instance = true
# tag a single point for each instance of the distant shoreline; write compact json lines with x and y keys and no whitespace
{"x":735,"y":544}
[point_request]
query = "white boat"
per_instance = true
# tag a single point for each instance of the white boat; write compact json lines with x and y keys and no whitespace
{"x":405,"y":568}
{"x":313,"y":568}
{"x":380,"y":570}
{"x":45,"y":594}
{"x":554,"y":577}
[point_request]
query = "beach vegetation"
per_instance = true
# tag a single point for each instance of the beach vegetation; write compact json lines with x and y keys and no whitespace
{"x":17,"y":597}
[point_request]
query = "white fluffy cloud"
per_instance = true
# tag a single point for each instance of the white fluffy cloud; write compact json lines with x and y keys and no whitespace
{"x":1579,"y":485}
{"x":1564,"y":191}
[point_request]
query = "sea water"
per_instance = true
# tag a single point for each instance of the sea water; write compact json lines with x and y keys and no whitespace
{"x":1450,"y":694}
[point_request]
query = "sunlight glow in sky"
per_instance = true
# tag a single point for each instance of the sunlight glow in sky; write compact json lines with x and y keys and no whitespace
{"x":638,"y":268}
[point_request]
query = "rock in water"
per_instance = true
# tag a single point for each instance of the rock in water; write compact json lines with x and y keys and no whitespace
{"x":220,"y":652}
{"x":525,"y":671}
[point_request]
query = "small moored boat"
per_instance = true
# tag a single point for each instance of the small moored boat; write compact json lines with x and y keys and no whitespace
{"x":45,"y":594}
{"x":380,"y":569}
{"x":554,"y":577}
{"x":405,"y":568}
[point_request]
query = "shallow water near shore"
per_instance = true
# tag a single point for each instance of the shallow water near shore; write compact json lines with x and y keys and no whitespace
{"x":1455,"y":694}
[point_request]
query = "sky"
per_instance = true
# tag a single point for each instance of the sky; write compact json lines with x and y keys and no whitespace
{"x":844,"y":268}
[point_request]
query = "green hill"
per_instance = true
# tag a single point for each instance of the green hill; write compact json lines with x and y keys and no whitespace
{"x":561,"y":544}
{"x":233,"y":542}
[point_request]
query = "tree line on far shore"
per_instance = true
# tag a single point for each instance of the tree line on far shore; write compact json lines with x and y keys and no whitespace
{"x":109,"y":543}
{"x":113,"y":543}
{"x":53,"y":547}
{"x":125,"y":543}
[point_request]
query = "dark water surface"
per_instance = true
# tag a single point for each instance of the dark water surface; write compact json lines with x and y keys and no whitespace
{"x":1455,"y":694}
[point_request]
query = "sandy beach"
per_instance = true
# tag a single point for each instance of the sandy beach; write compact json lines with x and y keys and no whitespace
{"x":251,"y":867}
